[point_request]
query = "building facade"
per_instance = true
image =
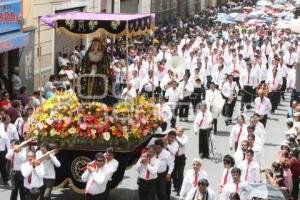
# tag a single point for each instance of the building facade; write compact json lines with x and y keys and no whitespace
{"x":16,"y":43}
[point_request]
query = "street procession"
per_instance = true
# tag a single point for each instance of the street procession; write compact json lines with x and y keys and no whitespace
{"x":149,"y":100}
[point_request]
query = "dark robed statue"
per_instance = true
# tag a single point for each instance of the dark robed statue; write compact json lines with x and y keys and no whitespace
{"x":96,"y":83}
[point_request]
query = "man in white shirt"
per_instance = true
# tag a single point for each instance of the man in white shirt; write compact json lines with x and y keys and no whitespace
{"x":228,"y":163}
{"x":191,"y":178}
{"x":147,"y":167}
{"x":165,"y":169}
{"x":172,"y":94}
{"x":4,"y":144}
{"x":250,"y":168}
{"x":234,"y":185}
{"x":17,"y":156}
{"x":262,"y":106}
{"x":49,"y":165}
{"x":180,"y":158}
{"x":96,"y":175}
{"x":229,"y":92}
{"x":240,"y":154}
{"x":185,"y":88}
{"x":128,"y":93}
{"x":148,"y":84}
{"x":165,"y":112}
{"x":202,"y":126}
{"x":33,"y":172}
{"x":113,"y":165}
{"x":9,"y":128}
{"x":237,"y":132}
{"x":274,"y":81}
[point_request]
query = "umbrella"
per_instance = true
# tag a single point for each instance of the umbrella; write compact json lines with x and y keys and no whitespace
{"x":256,"y":13}
{"x":254,"y":22}
{"x":278,"y":6}
{"x":282,"y":25}
{"x":238,"y":17}
{"x":280,"y":1}
{"x":262,"y":190}
{"x":264,"y":3}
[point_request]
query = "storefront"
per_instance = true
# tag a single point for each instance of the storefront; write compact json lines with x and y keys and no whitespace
{"x":16,"y":45}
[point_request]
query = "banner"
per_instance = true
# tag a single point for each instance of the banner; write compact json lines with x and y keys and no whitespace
{"x":9,"y":15}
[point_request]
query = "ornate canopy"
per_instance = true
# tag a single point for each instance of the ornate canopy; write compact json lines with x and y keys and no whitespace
{"x":109,"y":24}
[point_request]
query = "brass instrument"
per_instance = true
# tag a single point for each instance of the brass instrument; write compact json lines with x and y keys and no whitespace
{"x":177,"y":65}
{"x":231,"y":97}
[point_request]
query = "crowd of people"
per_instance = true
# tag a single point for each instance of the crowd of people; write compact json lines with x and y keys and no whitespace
{"x":215,"y":64}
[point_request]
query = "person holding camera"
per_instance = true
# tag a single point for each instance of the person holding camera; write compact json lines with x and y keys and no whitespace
{"x":96,"y":175}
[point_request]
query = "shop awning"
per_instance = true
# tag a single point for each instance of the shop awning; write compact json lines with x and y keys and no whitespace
{"x":13,"y":40}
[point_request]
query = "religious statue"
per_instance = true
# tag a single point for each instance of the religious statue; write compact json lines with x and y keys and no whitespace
{"x":96,"y":68}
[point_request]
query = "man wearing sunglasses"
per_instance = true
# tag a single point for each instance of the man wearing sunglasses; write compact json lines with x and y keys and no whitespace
{"x":96,"y":176}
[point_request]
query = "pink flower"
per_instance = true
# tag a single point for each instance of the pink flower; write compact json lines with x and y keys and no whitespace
{"x":145,"y":132}
{"x":131,"y":122}
{"x":49,"y":121}
{"x":144,"y":120}
{"x":83,"y":126}
{"x":67,"y":120}
{"x":125,"y":128}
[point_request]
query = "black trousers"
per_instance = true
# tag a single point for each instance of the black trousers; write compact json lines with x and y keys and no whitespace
{"x":203,"y":142}
{"x":215,"y":125}
{"x":228,"y":109}
{"x":30,"y":195}
{"x":247,"y":97}
{"x":295,"y":191}
{"x":178,"y":172}
{"x":100,"y":196}
{"x":161,"y":186}
{"x":47,"y":188}
{"x":274,"y":97}
{"x":174,"y":117}
{"x":164,"y":126}
{"x":184,"y":107}
{"x":283,"y":87}
{"x":196,"y":99}
{"x":3,"y":169}
{"x":17,"y":183}
{"x":147,"y":189}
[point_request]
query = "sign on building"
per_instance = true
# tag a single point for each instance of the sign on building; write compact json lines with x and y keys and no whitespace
{"x":9,"y":15}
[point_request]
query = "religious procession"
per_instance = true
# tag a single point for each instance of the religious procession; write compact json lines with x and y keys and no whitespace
{"x":204,"y":107}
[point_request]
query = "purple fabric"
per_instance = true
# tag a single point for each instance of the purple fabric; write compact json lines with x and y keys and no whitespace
{"x":75,"y":15}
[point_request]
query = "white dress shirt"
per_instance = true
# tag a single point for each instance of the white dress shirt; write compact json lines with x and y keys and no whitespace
{"x":173,"y":148}
{"x":185,"y":88}
{"x":4,"y":141}
{"x":202,"y":121}
{"x":136,"y":83}
{"x":226,"y":175}
{"x":244,"y":78}
{"x":214,"y":100}
{"x":166,"y":162}
{"x":229,"y":89}
{"x":234,"y":133}
{"x":173,"y":96}
{"x":17,"y":158}
{"x":274,"y":82}
{"x":49,"y":165}
{"x":189,"y":179}
{"x":250,"y":172}
{"x":231,"y":187}
{"x":147,"y":85}
{"x":182,"y":141}
{"x":218,"y":77}
{"x":37,"y":175}
{"x":239,"y":156}
{"x":164,"y":111}
{"x":113,"y":165}
{"x":262,"y":106}
{"x":11,"y":131}
{"x":128,"y":94}
{"x":152,"y":167}
{"x":96,"y":181}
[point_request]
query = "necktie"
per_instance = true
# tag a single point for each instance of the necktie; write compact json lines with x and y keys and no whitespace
{"x":247,"y":171}
{"x":273,"y":80}
{"x":248,"y":78}
{"x":29,"y":178}
{"x":261,"y":102}
{"x":12,"y":161}
{"x":237,"y":188}
{"x":201,"y":122}
{"x":148,"y":172}
{"x":164,"y":55}
{"x":5,"y":128}
{"x":225,"y":177}
{"x":22,"y":129}
{"x":236,"y":144}
{"x":205,"y":65}
{"x":195,"y":180}
{"x":290,"y":58}
{"x":244,"y":155}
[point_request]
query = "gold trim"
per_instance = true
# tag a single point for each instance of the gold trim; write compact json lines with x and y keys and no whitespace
{"x":103,"y":31}
{"x":74,"y":188}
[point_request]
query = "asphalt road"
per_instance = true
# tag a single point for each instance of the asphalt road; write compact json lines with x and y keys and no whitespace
{"x":127,"y":189}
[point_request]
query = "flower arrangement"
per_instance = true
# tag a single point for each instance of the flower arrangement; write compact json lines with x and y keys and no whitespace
{"x":64,"y":120}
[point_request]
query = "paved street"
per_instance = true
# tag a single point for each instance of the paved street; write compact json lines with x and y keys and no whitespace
{"x":127,"y":189}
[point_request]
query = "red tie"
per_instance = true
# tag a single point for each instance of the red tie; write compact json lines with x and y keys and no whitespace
{"x":148,"y":172}
{"x":237,"y":188}
{"x":239,"y":134}
{"x":29,"y":178}
{"x":247,"y":171}
{"x":201,"y":122}
{"x":196,"y":180}
{"x":225,"y":177}
{"x":273,"y":80}
{"x":22,"y":129}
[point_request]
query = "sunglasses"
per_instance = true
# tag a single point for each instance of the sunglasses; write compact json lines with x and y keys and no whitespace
{"x":102,"y":160}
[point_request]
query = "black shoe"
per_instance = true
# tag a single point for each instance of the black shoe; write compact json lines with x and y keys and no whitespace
{"x":5,"y":184}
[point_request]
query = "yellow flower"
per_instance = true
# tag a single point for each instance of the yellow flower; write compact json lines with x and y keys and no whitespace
{"x":72,"y":130}
{"x":106,"y":136}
